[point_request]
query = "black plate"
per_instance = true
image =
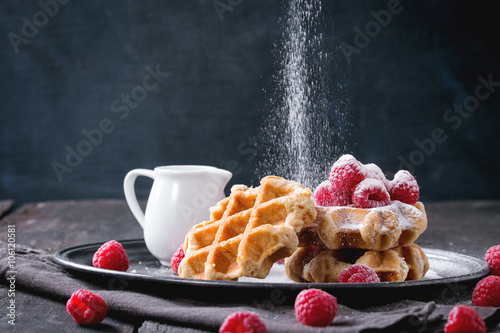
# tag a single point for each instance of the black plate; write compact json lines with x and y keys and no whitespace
{"x":450,"y":276}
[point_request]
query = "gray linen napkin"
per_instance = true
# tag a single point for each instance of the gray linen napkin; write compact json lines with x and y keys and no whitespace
{"x":37,"y":272}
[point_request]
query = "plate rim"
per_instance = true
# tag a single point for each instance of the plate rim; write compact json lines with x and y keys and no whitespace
{"x":61,"y":258}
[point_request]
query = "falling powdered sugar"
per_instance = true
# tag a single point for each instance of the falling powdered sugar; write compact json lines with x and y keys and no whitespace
{"x":302,"y":139}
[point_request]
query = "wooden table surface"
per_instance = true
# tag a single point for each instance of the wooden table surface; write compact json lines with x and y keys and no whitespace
{"x":468,"y":227}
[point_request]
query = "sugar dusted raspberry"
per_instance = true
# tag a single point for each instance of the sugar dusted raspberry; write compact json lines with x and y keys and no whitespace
{"x":346,"y":173}
{"x":374,"y":171}
{"x":315,"y":307}
{"x":492,"y":258}
{"x":243,"y":322}
{"x":111,"y":255}
{"x":177,"y":258}
{"x":346,"y":176}
{"x":358,"y":273}
{"x":464,"y":319}
{"x":487,"y":292}
{"x":86,"y":308}
{"x":370,"y":193}
{"x":404,"y":187}
{"x":324,"y":195}
{"x":342,"y":198}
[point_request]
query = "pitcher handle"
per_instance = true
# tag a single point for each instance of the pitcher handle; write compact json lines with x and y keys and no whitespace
{"x":129,"y":189}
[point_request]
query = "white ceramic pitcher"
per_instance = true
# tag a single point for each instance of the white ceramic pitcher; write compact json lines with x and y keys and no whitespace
{"x":180,"y":197}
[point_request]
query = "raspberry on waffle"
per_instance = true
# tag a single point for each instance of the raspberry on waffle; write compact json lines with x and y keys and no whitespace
{"x":323,"y":266}
{"x":380,"y":228}
{"x":248,"y":231}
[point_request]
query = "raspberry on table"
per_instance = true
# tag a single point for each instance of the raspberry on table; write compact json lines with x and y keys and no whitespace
{"x":243,"y":322}
{"x":487,"y":292}
{"x":358,"y":273}
{"x":177,"y":258}
{"x":404,"y":187}
{"x":370,"y":193}
{"x":464,"y":319}
{"x":86,"y":308}
{"x":111,"y":255}
{"x":492,"y":258}
{"x":315,"y":307}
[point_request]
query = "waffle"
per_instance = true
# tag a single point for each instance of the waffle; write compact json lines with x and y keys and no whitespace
{"x":316,"y":264}
{"x":379,"y":229}
{"x":248,"y":231}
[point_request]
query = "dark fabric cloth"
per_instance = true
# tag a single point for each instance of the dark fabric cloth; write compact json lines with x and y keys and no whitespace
{"x":36,"y":272}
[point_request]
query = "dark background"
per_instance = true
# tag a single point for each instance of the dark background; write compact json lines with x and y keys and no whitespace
{"x":67,"y":77}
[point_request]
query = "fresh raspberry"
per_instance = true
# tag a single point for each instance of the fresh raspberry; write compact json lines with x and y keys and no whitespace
{"x":487,"y":292}
{"x":315,"y":307}
{"x":404,"y":187}
{"x":111,"y":255}
{"x":464,"y":319}
{"x":177,"y":258}
{"x":346,"y":173}
{"x":243,"y":322}
{"x":370,"y":193}
{"x":374,"y":171}
{"x":358,"y":273}
{"x":492,"y":258}
{"x":324,"y":195}
{"x":86,"y":308}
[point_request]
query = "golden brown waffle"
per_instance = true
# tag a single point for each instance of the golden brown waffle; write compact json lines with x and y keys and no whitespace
{"x":248,"y":231}
{"x":382,"y":228}
{"x":316,"y":264}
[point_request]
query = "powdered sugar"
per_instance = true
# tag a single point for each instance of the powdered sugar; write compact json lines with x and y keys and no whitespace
{"x":445,"y":268}
{"x":300,"y":136}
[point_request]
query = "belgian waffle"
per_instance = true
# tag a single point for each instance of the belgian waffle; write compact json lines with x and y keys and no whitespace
{"x":248,"y":231}
{"x":316,"y":264}
{"x":382,"y":228}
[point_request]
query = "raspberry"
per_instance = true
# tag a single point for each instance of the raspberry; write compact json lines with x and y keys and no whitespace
{"x":370,"y":193}
{"x":487,"y":292}
{"x":374,"y":171}
{"x":324,"y":195}
{"x":404,"y":187}
{"x":243,"y":322}
{"x":111,"y":255}
{"x":177,"y":258}
{"x":346,"y":173}
{"x":492,"y":258}
{"x":464,"y":319}
{"x":358,"y":273}
{"x":86,"y":308}
{"x":314,"y":307}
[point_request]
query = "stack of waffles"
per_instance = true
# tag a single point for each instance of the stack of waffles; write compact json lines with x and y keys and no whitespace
{"x":380,"y":236}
